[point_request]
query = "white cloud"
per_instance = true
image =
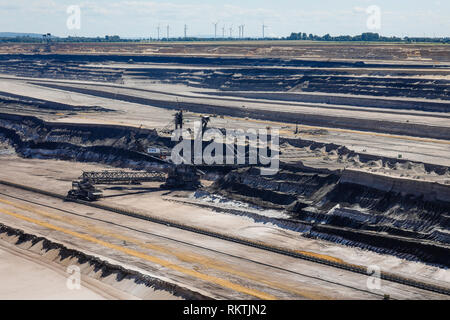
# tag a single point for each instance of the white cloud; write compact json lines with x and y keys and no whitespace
{"x":140,"y":17}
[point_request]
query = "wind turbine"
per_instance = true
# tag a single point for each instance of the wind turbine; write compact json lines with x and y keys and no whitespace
{"x":215,"y":29}
{"x":185,"y":31}
{"x":168,"y":29}
{"x":264,"y":27}
{"x":242,"y":30}
{"x":231,"y":31}
{"x":159,"y":29}
{"x":223,"y":32}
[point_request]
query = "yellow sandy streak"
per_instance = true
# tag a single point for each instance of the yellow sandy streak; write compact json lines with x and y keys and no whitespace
{"x":187,"y":257}
{"x":131,"y":252}
{"x":321,"y":256}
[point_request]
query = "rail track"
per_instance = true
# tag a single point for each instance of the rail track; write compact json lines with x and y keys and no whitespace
{"x":259,"y":245}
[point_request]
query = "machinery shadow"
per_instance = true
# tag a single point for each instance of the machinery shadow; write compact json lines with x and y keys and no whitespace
{"x":131,"y":192}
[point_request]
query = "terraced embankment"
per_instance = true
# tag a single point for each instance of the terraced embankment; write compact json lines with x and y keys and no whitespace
{"x":403,"y":217}
{"x":413,"y":80}
{"x":381,"y":126}
{"x":300,"y":80}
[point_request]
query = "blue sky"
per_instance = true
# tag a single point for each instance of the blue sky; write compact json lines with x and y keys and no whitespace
{"x":139,"y":18}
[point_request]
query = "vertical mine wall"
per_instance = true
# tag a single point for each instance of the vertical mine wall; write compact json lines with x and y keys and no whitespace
{"x":430,"y":191}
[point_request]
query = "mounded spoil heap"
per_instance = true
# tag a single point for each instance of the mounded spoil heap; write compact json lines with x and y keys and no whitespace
{"x":239,"y":74}
{"x":407,"y":218}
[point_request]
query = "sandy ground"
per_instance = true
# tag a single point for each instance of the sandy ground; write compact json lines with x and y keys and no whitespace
{"x":25,"y":276}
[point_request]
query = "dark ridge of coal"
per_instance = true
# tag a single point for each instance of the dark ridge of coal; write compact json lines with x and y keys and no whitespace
{"x":11,"y":98}
{"x":281,"y":80}
{"x":366,"y":102}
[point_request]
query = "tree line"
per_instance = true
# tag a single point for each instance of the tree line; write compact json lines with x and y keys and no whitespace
{"x":365,"y":37}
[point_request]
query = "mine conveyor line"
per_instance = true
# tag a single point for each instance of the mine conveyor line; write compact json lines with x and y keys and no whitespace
{"x":122,"y":177}
{"x":255,"y":244}
{"x":84,"y":188}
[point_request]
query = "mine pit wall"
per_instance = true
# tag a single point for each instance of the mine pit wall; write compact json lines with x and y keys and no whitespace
{"x":130,"y":281}
{"x":412,"y":223}
{"x":428,"y":190}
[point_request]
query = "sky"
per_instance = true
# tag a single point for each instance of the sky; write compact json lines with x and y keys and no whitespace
{"x":140,"y":18}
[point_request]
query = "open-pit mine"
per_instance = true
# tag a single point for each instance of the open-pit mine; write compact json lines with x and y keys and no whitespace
{"x":357,"y":208}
